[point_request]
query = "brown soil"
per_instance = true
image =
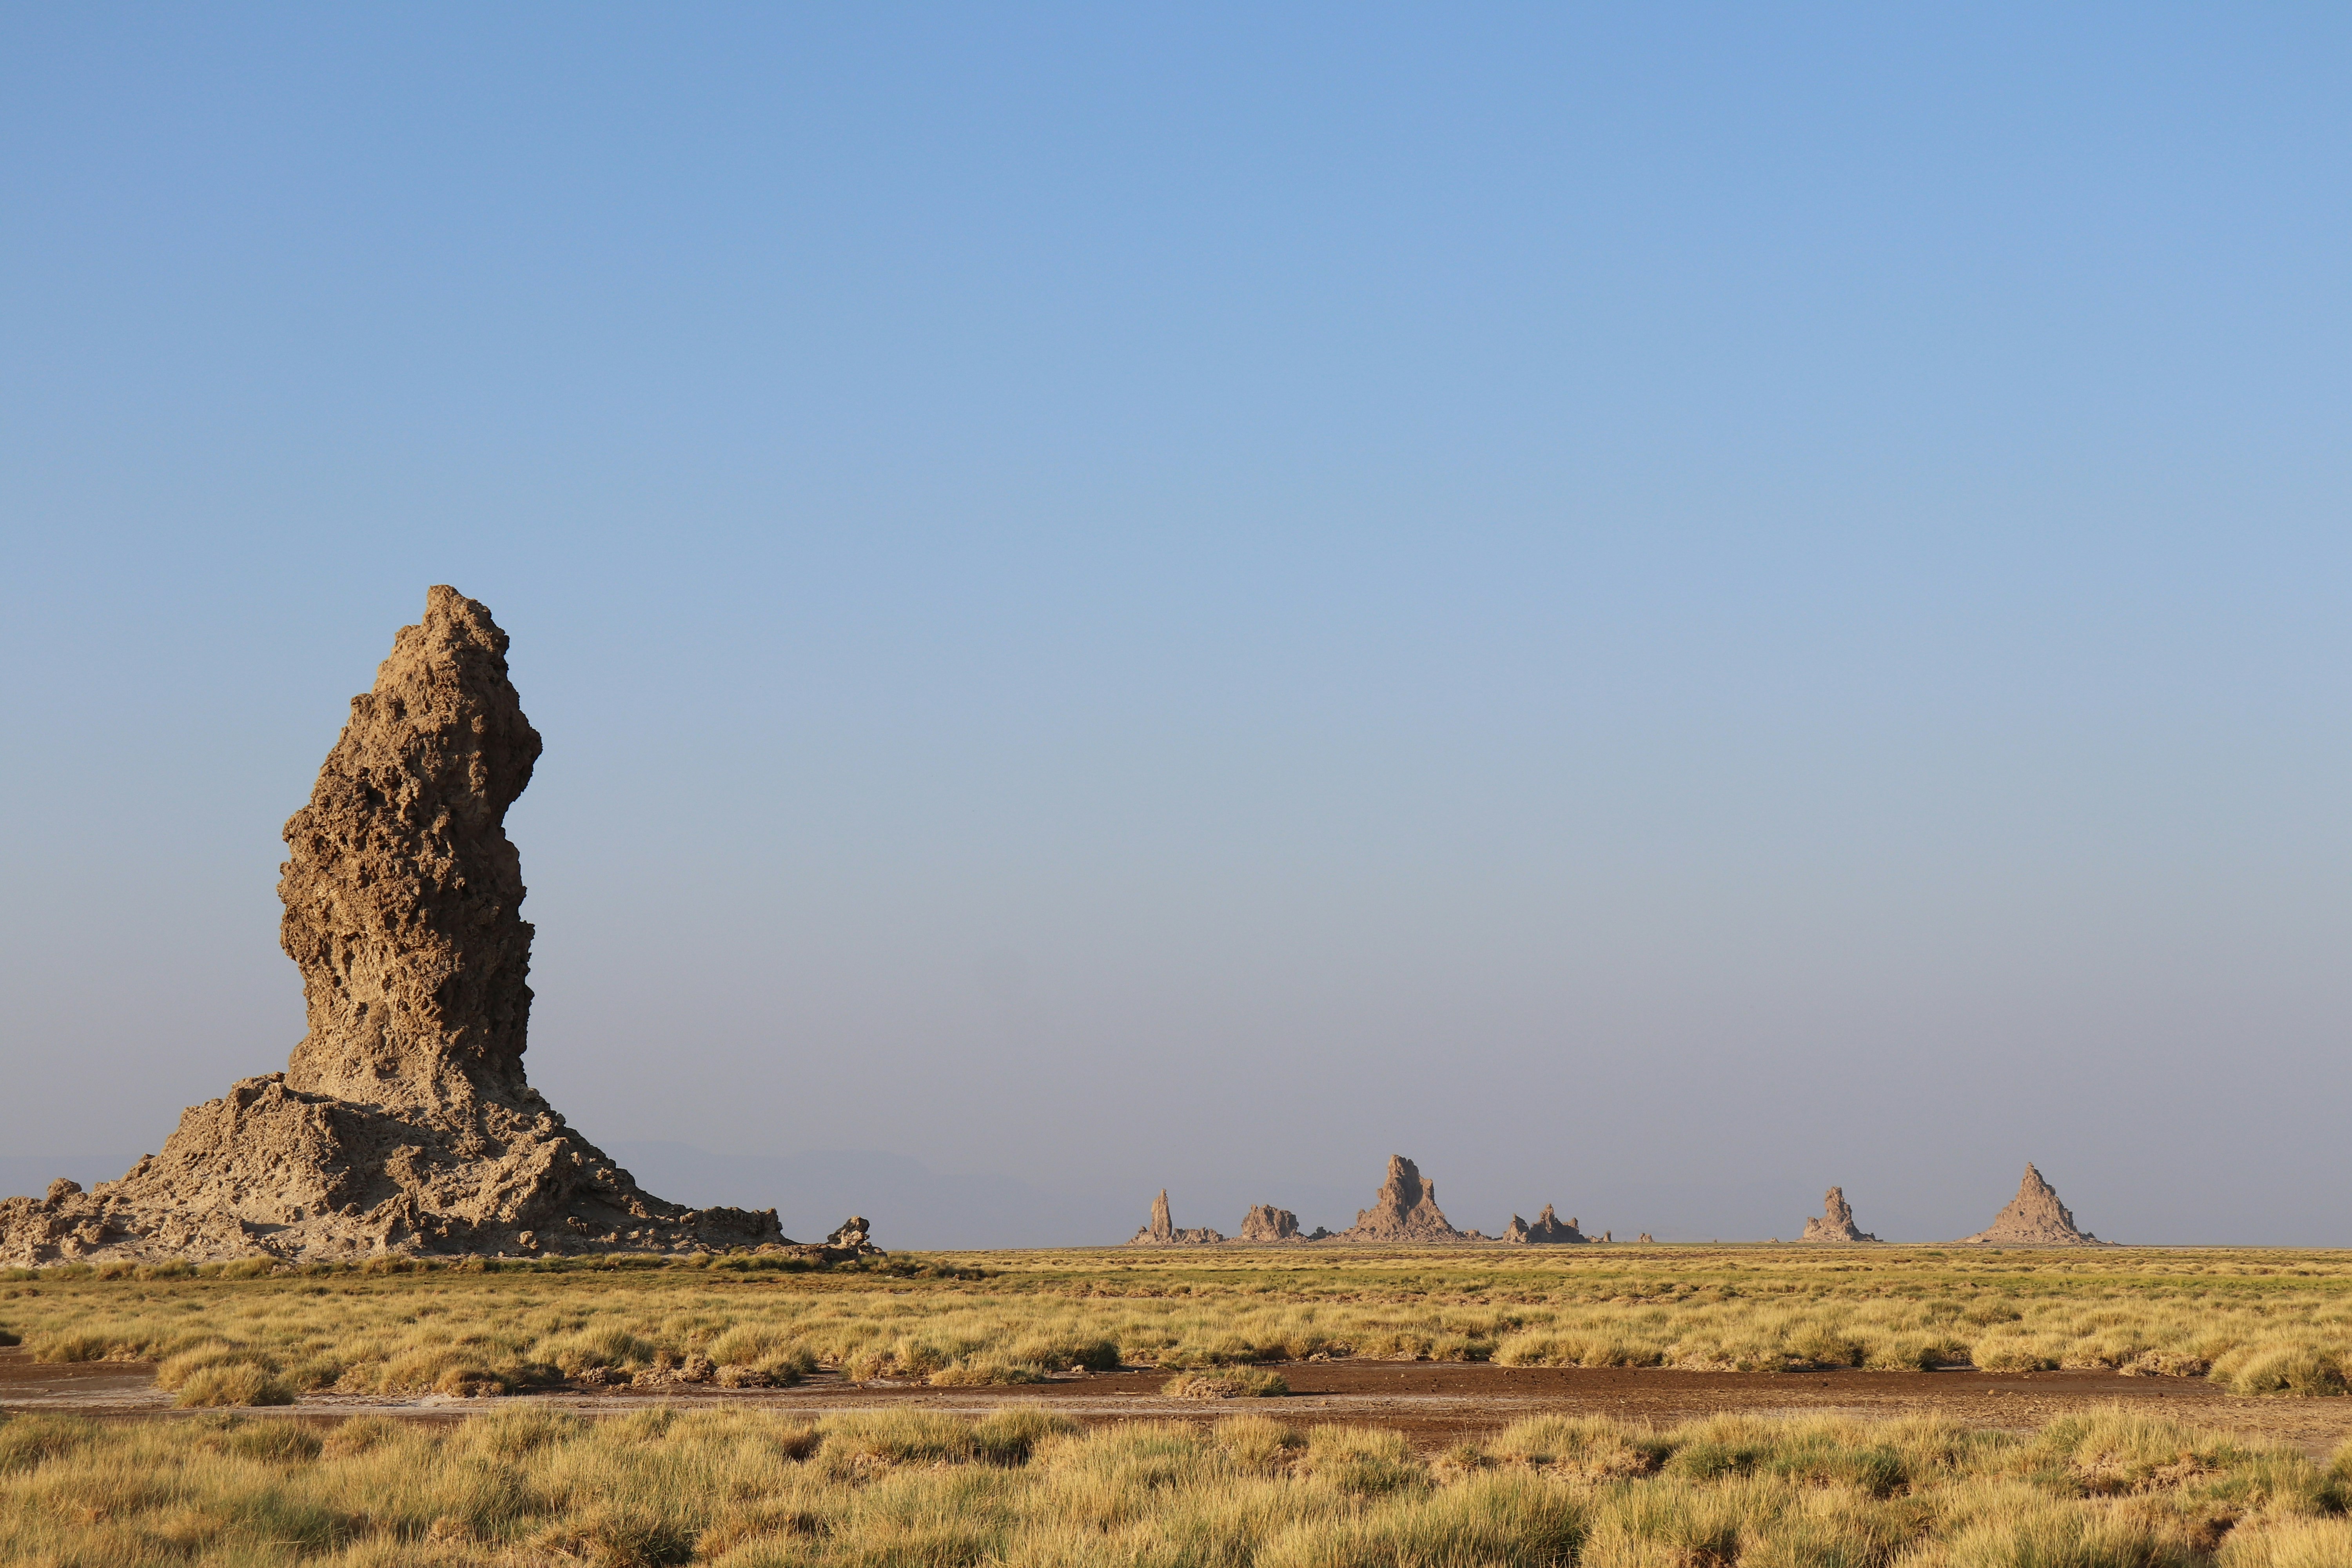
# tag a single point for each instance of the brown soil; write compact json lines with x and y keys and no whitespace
{"x":1434,"y":1403}
{"x":81,"y":1387}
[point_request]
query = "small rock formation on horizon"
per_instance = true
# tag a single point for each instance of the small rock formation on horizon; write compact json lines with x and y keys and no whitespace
{"x":1267,"y":1222}
{"x":2034,"y":1218}
{"x":403,"y":1121}
{"x":1163,"y":1231}
{"x":1836,"y":1221}
{"x":1405,"y":1210}
{"x":1546,"y":1228}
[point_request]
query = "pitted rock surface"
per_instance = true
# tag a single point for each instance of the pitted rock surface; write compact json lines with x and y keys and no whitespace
{"x":403,"y":1121}
{"x":1405,"y":1210}
{"x":2036,"y":1219}
{"x":402,"y":893}
{"x":1835,"y":1222}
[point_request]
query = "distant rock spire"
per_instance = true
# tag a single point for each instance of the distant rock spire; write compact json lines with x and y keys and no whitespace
{"x":1267,"y":1222}
{"x":1549,"y":1227}
{"x":1836,"y":1221}
{"x":1405,"y":1209}
{"x":2036,"y":1219}
{"x":1163,"y":1231}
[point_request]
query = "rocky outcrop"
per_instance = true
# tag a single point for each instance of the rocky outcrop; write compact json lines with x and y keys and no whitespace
{"x":1163,"y":1231}
{"x":1267,"y":1223}
{"x":2035,"y":1218}
{"x":403,"y":1121}
{"x":402,"y":893}
{"x":1546,"y":1228}
{"x":1836,"y":1221}
{"x":1405,"y":1210}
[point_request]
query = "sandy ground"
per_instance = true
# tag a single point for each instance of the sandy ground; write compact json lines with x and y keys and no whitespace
{"x":1436,"y":1404}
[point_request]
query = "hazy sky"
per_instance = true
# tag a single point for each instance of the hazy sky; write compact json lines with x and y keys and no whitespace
{"x":1654,"y":606}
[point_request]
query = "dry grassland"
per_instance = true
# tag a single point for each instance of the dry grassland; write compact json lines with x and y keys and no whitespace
{"x":2256,"y":1322}
{"x":1026,"y":1491}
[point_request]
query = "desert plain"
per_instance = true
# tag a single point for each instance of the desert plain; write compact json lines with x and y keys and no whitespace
{"x":1605,"y":1403}
{"x":387,"y":1306}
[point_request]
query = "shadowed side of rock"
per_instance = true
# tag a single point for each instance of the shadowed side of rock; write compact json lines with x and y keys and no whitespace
{"x":403,"y":1121}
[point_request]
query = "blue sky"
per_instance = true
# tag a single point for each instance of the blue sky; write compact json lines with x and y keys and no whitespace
{"x":1657,"y":608}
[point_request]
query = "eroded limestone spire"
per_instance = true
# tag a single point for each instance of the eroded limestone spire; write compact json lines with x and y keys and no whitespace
{"x":403,"y":1122}
{"x":1405,"y":1209}
{"x":1163,"y":1231}
{"x":2035,"y":1218}
{"x":402,"y":893}
{"x":1835,"y":1222}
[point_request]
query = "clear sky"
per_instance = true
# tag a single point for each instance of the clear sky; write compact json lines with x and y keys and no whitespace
{"x":1654,"y":606}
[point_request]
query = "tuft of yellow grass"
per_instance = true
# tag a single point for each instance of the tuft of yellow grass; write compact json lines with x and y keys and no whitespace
{"x":234,"y":1382}
{"x":2258,"y":1321}
{"x":1240,"y":1382}
{"x":753,"y":1489}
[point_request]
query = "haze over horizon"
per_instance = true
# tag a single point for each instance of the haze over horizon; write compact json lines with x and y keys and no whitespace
{"x":1656,"y":610}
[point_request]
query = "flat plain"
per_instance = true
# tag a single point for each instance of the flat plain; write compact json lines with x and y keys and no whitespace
{"x":1605,"y":1404}
{"x":2251,"y":1321}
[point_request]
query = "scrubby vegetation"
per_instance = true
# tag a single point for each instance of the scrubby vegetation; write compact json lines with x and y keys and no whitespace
{"x":2257,"y":1321}
{"x":1235,"y":1383}
{"x":745,"y":1489}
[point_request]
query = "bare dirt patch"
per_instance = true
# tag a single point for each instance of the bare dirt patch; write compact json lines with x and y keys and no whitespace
{"x":1434,"y":1405}
{"x":87,"y":1387}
